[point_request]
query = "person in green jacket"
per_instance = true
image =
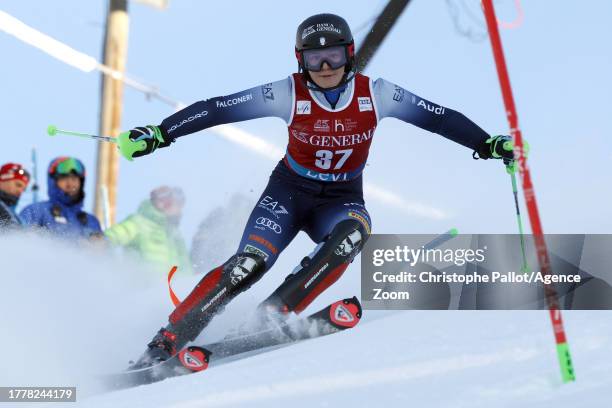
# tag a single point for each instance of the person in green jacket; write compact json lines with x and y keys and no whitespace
{"x":153,"y":233}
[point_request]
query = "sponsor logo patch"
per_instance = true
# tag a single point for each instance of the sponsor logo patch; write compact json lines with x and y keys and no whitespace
{"x":320,"y":27}
{"x":398,"y":94}
{"x":214,"y":300}
{"x":301,"y":136}
{"x":307,"y":31}
{"x":338,"y":126}
{"x":322,"y":125}
{"x":316,"y":275}
{"x":262,"y":223}
{"x":189,"y":119}
{"x":273,"y":207}
{"x":250,"y":249}
{"x":349,"y":244}
{"x":354,"y":205}
{"x":266,"y":91}
{"x":193,"y":358}
{"x":234,"y":101}
{"x":334,"y":140}
{"x":303,"y":108}
{"x":264,"y":242}
{"x":361,"y":218}
{"x":342,"y":314}
{"x":237,"y":274}
{"x":438,"y":110}
{"x":365,"y":103}
{"x":192,"y":361}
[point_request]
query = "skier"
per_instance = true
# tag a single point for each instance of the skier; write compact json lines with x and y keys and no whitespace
{"x":13,"y":181}
{"x":62,"y":214}
{"x":332,"y":113}
{"x":153,"y":233}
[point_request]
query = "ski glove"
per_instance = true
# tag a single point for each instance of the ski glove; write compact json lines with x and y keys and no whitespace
{"x":141,"y":141}
{"x":500,"y":147}
{"x":496,"y":147}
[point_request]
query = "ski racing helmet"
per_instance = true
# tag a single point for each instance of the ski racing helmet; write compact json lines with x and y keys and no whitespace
{"x":325,"y":31}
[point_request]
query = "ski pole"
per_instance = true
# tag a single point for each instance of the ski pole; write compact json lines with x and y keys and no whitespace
{"x":511,"y":170}
{"x":52,"y":130}
{"x":442,"y":238}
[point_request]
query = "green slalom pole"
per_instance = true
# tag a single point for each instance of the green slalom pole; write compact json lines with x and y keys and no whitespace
{"x":52,"y":130}
{"x":565,"y":360}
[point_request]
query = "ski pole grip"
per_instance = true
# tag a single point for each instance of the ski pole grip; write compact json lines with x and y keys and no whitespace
{"x":128,"y":147}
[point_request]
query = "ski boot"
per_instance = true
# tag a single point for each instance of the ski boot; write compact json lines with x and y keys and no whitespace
{"x":160,"y":349}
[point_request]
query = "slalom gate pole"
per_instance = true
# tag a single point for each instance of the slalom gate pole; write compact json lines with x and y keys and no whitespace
{"x":552,"y":300}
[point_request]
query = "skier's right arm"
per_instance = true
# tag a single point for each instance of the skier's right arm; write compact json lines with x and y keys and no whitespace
{"x":269,"y":100}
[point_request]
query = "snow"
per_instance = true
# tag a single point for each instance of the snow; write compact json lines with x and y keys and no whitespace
{"x":69,"y":315}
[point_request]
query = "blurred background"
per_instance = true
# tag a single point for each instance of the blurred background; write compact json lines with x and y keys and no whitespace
{"x":558,"y":60}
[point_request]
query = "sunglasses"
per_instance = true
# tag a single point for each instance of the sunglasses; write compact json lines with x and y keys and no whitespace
{"x":336,"y":57}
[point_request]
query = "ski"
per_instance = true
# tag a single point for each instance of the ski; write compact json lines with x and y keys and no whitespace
{"x":338,"y":316}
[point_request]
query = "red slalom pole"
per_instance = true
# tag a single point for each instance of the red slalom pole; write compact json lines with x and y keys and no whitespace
{"x":552,"y":300}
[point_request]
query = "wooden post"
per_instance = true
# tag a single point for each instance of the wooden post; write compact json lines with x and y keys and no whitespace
{"x":115,"y":54}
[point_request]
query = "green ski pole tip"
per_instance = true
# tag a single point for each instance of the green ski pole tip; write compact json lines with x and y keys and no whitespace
{"x":454,"y":231}
{"x":52,"y":130}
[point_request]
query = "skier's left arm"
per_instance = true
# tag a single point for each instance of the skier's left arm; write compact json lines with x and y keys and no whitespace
{"x":396,"y":102}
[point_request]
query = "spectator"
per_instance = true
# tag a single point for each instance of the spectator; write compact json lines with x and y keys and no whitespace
{"x":153,"y":233}
{"x":13,"y":181}
{"x":63,"y":214}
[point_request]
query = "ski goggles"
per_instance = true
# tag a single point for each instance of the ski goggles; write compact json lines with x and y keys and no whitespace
{"x":63,"y":166}
{"x":336,"y":57}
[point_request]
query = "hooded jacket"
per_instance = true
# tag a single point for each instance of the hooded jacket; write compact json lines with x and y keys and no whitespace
{"x":62,"y":215}
{"x":154,"y":236}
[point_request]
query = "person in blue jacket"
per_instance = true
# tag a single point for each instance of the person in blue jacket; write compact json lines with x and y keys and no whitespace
{"x":63,"y":213}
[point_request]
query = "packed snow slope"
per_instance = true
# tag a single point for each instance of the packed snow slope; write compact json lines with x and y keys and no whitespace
{"x":69,"y":314}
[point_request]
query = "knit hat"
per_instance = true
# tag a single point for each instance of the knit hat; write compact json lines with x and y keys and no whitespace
{"x":14,"y":171}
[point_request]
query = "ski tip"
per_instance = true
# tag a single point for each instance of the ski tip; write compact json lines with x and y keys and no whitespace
{"x":194,"y":358}
{"x":453,"y":232}
{"x":346,"y":313}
